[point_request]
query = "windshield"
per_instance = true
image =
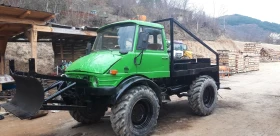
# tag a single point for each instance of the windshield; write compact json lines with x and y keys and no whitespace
{"x":179,"y":46}
{"x":185,"y":47}
{"x":115,"y":38}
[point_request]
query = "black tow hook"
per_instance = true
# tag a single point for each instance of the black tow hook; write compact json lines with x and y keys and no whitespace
{"x":183,"y":94}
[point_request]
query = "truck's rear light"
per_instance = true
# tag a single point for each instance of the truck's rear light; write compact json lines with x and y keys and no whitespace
{"x":113,"y":72}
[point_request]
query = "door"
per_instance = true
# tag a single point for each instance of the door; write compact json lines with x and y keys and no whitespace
{"x":155,"y":59}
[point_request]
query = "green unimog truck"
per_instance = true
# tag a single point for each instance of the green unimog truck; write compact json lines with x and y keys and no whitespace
{"x":129,"y":70}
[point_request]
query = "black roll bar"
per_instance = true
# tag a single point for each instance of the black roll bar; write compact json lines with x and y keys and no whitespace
{"x":172,"y":21}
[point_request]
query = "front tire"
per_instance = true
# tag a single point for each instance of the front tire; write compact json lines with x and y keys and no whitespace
{"x":89,"y":116}
{"x":203,"y":95}
{"x":136,"y":113}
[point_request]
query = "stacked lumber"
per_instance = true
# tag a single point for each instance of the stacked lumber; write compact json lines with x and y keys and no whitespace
{"x":223,"y":57}
{"x":232,"y":62}
{"x":227,"y":58}
{"x":240,"y":63}
{"x":251,"y":57}
{"x":252,"y":48}
{"x":246,"y":64}
{"x":252,"y":63}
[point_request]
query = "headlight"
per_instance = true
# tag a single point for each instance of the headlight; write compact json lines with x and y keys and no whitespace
{"x":94,"y":81}
{"x":86,"y":78}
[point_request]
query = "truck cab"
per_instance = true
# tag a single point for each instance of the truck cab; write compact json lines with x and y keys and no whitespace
{"x":118,"y":48}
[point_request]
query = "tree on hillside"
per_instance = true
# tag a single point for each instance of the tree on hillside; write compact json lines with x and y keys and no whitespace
{"x":97,"y":12}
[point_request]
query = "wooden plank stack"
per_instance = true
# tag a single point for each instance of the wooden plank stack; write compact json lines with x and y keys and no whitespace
{"x":251,"y":57}
{"x":252,"y":48}
{"x":252,"y":63}
{"x":223,"y":57}
{"x":227,"y":58}
{"x":240,"y":63}
{"x":232,"y":62}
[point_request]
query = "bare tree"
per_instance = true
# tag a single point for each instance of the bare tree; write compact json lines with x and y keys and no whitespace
{"x":79,"y":12}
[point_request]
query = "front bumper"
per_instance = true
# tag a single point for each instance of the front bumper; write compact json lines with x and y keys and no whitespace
{"x":99,"y":91}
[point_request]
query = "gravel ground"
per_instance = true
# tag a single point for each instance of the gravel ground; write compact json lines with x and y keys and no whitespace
{"x":250,"y":108}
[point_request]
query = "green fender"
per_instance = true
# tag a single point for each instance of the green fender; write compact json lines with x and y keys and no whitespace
{"x":134,"y":81}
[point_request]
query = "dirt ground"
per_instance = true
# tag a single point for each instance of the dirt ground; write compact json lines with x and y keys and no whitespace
{"x":252,"y":107}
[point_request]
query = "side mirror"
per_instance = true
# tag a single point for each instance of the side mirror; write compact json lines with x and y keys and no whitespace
{"x":143,"y":41}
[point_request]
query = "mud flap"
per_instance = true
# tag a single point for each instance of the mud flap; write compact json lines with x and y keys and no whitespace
{"x":28,"y":99}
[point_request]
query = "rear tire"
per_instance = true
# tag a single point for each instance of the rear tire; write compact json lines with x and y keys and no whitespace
{"x":136,"y":112}
{"x":203,"y":95}
{"x":89,"y":116}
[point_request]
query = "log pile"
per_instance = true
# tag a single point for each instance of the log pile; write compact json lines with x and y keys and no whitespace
{"x":269,"y":55}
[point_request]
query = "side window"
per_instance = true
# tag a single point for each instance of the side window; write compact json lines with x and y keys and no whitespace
{"x":155,"y":37}
{"x":159,"y":40}
{"x":151,"y":39}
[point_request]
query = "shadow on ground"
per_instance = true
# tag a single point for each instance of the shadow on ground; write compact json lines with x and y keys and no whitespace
{"x":176,"y":113}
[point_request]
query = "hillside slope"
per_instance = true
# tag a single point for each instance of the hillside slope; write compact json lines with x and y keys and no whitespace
{"x":244,"y":28}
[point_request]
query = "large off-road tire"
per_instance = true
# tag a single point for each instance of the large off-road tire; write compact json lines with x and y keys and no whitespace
{"x":89,"y":116}
{"x":203,"y":95}
{"x":136,"y":112}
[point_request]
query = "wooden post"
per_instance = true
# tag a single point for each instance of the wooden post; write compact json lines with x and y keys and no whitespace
{"x":61,"y":50}
{"x":33,"y":41}
{"x":72,"y":49}
{"x":2,"y":64}
{"x":3,"y":45}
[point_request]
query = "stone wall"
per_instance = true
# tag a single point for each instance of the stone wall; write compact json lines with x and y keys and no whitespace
{"x":21,"y":52}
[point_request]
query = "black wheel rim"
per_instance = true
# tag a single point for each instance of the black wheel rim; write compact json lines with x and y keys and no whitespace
{"x":208,"y":96}
{"x":142,"y":113}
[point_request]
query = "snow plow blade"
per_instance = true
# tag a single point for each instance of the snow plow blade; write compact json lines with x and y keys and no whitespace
{"x":28,"y":99}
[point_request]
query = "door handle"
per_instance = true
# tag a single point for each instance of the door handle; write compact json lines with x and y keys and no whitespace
{"x":164,"y":57}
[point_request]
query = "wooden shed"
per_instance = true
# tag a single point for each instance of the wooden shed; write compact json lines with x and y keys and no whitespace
{"x":24,"y":25}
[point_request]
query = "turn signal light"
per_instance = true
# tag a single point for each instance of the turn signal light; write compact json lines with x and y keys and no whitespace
{"x":113,"y":72}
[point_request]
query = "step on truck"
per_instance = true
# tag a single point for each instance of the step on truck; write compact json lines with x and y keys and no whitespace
{"x":129,"y":70}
